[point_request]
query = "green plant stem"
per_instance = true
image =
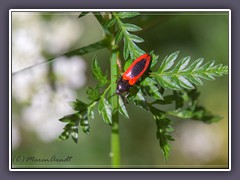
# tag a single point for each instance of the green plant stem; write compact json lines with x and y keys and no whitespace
{"x":115,"y":141}
{"x":80,"y":51}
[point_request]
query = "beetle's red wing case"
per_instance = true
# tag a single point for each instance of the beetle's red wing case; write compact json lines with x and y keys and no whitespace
{"x":133,"y":73}
{"x":137,"y":69}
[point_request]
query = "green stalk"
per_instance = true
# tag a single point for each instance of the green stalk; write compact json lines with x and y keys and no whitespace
{"x":80,"y":51}
{"x":115,"y":140}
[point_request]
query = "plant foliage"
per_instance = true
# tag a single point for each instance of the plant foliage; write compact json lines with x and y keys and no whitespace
{"x":179,"y":77}
{"x":124,"y":32}
{"x":183,"y":77}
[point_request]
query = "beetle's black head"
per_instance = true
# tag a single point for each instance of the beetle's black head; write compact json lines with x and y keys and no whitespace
{"x":122,"y":86}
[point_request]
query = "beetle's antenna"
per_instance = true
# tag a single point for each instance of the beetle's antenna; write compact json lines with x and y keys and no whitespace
{"x":124,"y":98}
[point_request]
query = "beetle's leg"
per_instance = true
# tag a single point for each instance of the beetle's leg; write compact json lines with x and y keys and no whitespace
{"x":125,"y":99}
{"x":127,"y":94}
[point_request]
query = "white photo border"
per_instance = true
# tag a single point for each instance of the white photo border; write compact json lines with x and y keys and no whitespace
{"x":110,"y":10}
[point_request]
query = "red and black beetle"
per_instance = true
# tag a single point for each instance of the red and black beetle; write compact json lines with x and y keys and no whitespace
{"x":133,"y":73}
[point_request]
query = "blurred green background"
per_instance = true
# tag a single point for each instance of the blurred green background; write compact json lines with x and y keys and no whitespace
{"x":40,"y":95}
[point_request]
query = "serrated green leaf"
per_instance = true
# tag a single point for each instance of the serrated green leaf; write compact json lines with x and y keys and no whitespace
{"x":150,"y":86}
{"x":110,"y":23}
{"x":168,"y":62}
{"x":199,"y":114}
{"x":167,"y":82}
{"x":71,"y":128}
{"x":132,"y":27}
{"x":194,"y":79}
{"x":90,"y":110}
{"x":154,"y":58}
{"x":98,"y":74}
{"x":104,"y":109}
{"x":181,"y":77}
{"x":78,"y":105}
{"x":183,"y":82}
{"x":182,"y":97}
{"x":195,"y":64}
{"x":125,"y":48}
{"x":136,"y":38}
{"x":71,"y":125}
{"x":206,"y":66}
{"x":136,"y":51}
{"x":119,"y":36}
{"x":218,"y":66}
{"x":122,"y":108}
{"x":132,"y":51}
{"x":67,"y":118}
{"x":192,"y":110}
{"x":102,"y":83}
{"x":127,"y":64}
{"x":205,"y":76}
{"x":215,"y":72}
{"x":96,"y":70}
{"x":84,"y":123}
{"x":64,"y":135}
{"x":164,"y":128}
{"x":74,"y":136}
{"x":123,"y":15}
{"x":139,"y":100}
{"x":181,"y":64}
{"x":223,"y":70}
{"x":93,"y":94}
{"x":168,"y":99}
{"x":165,"y":149}
{"x":129,"y":46}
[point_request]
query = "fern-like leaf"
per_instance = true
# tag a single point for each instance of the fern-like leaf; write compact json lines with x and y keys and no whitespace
{"x":124,"y":32}
{"x":164,"y":128}
{"x":183,"y":77}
